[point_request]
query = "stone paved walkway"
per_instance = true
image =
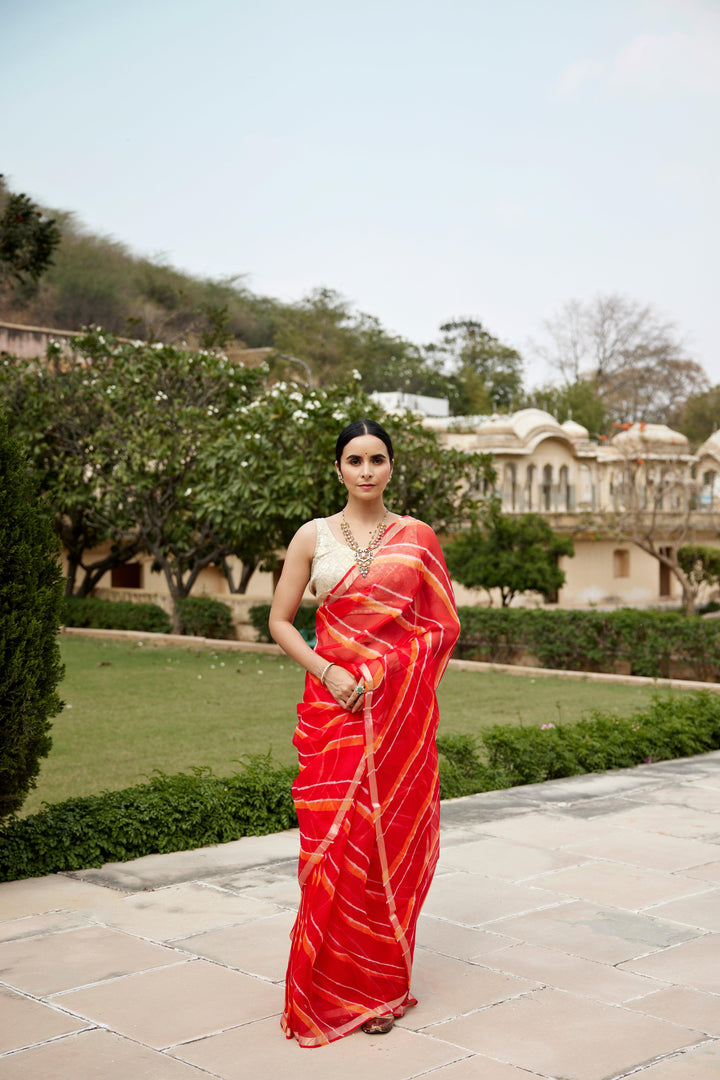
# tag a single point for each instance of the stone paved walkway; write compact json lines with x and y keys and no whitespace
{"x":572,"y":932}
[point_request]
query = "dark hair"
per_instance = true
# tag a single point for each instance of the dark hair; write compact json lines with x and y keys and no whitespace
{"x":362,"y":427}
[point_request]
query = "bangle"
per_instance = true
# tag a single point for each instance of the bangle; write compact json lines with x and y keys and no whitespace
{"x":325,"y":671}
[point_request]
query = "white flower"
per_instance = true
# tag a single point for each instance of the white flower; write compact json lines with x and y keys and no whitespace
{"x":189,"y":491}
{"x":244,"y":464}
{"x":356,"y":375}
{"x":298,"y":416}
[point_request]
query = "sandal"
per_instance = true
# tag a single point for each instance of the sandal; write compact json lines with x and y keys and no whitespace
{"x":378,"y":1025}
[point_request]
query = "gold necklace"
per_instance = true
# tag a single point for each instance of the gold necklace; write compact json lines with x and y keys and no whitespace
{"x":364,"y":555}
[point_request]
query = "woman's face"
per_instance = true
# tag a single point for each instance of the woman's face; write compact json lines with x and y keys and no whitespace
{"x":365,"y":466}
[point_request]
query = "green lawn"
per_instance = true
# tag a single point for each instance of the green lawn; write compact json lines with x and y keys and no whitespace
{"x":133,"y":708}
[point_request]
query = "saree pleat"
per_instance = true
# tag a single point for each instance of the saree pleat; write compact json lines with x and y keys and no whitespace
{"x":367,"y":795}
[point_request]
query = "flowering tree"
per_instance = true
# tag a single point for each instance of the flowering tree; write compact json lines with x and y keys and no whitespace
{"x":274,"y":470}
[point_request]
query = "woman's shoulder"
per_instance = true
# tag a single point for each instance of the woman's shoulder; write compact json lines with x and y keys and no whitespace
{"x":422,"y":530}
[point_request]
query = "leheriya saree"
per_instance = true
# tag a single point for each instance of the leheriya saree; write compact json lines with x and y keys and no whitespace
{"x":367,"y":795}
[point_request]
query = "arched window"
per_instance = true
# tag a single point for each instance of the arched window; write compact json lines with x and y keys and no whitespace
{"x":509,"y":494}
{"x":564,"y":488}
{"x":529,"y":481}
{"x":547,"y":479}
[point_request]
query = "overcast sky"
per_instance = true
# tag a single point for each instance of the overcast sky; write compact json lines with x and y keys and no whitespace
{"x":427,"y":160}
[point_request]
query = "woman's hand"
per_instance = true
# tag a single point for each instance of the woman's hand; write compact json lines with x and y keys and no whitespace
{"x":343,"y":687}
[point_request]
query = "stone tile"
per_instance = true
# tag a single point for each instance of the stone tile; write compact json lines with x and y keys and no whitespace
{"x":479,"y":1067}
{"x":690,"y":795}
{"x":698,"y":1063}
{"x":169,"y":1005}
{"x":462,"y":942}
{"x":76,"y":958}
{"x":708,"y":872}
{"x":602,"y":982}
{"x":37,"y":925}
{"x":559,"y":1034}
{"x":261,"y":1050}
{"x":181,"y":910}
{"x":694,"y":964}
{"x":608,"y":883}
{"x":546,"y":831}
{"x":607,"y":935}
{"x":473,"y":900}
{"x":652,"y":852}
{"x":446,"y":987}
{"x":25,"y":1022}
{"x":702,"y":911}
{"x":498,"y":858}
{"x":669,"y":821}
{"x":95,"y":1055}
{"x":280,"y":889}
{"x":158,"y":871}
{"x":690,"y":1008}
{"x":259,"y":948}
{"x":55,"y":892}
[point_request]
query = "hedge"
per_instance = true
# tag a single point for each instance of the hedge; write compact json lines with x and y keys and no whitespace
{"x":176,"y":813}
{"x":304,"y":621}
{"x":114,"y":615}
{"x":169,"y":813}
{"x":646,"y":642}
{"x":200,"y":616}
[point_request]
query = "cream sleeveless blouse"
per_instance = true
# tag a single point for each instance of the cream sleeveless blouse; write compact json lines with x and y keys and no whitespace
{"x":331,"y":561}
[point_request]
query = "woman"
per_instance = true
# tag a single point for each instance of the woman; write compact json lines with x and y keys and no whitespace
{"x":367,"y":796}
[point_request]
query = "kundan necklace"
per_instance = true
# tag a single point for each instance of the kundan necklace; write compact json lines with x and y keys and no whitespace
{"x":364,"y":555}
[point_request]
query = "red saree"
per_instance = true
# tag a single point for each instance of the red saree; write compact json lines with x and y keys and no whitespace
{"x":367,"y":795}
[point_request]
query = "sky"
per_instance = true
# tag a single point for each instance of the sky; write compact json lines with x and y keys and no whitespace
{"x":428,"y":161}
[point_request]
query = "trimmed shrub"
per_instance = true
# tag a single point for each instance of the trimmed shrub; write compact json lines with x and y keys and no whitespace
{"x":201,"y":616}
{"x":169,"y":813}
{"x":646,"y":642}
{"x":177,"y":813}
{"x":114,"y":615}
{"x":30,"y":598}
{"x":304,"y":621}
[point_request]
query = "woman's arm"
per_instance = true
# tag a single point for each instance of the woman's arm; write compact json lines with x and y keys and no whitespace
{"x":288,"y":594}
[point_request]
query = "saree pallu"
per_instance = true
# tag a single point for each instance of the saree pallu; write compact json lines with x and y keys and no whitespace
{"x":367,"y":795}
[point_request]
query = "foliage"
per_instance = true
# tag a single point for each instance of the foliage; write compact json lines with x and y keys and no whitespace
{"x":646,"y":642}
{"x":169,"y":813}
{"x":28,"y":239}
{"x":114,"y":614}
{"x":699,"y":418}
{"x":272,"y":468}
{"x":669,"y":728}
{"x":184,"y":811}
{"x":30,"y":598}
{"x":579,"y":401}
{"x":700,"y":564}
{"x":201,"y":616}
{"x":123,"y":434}
{"x":304,"y":620}
{"x":512,"y":553}
{"x":485,"y":375}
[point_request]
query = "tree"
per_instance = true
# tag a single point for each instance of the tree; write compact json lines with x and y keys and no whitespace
{"x":701,"y":416}
{"x":640,"y":366}
{"x":484,"y":375}
{"x":30,"y":599}
{"x":514,"y":554}
{"x":27,"y":239}
{"x":577,"y":401}
{"x":700,"y":564}
{"x":656,"y":500}
{"x":273,"y":468}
